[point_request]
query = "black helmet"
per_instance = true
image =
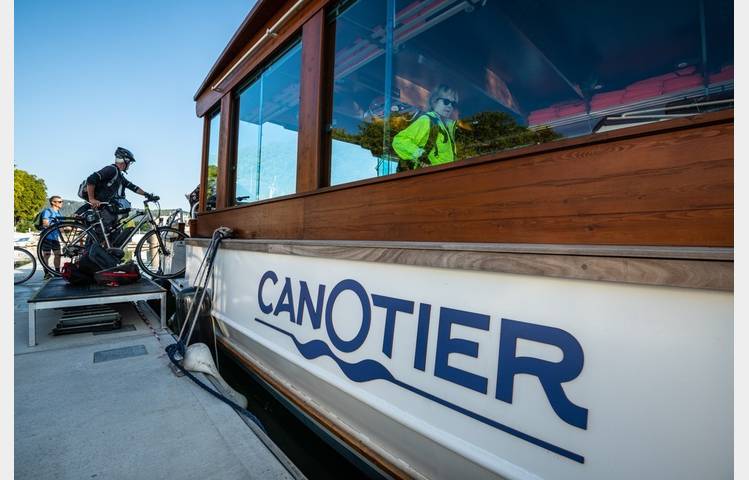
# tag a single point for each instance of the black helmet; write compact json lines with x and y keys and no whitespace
{"x":124,"y":154}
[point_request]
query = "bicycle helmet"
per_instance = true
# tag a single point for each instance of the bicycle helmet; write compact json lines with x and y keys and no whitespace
{"x":123,"y":155}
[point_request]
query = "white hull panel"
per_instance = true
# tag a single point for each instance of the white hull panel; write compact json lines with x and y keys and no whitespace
{"x":451,"y":373}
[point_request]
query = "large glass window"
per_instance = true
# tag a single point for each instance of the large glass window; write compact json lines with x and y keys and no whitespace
{"x":426,"y":82}
{"x":267,"y":128}
{"x":212,"y":173}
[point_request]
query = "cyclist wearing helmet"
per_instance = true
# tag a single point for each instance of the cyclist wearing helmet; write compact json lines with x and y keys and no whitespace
{"x":110,"y":182}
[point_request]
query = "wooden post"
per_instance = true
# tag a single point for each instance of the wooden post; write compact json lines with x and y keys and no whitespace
{"x":204,"y":163}
{"x":224,"y":187}
{"x":309,"y":154}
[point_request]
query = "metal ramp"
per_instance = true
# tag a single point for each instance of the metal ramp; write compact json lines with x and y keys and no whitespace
{"x":88,"y":318}
{"x":57,"y":293}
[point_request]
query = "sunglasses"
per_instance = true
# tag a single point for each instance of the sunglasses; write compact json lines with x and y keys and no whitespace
{"x":448,"y":103}
{"x":56,"y":201}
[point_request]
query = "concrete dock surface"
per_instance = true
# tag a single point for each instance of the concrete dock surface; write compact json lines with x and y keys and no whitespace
{"x":125,"y":415}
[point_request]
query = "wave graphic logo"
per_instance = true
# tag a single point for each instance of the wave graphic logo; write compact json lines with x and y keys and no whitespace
{"x":369,"y":370}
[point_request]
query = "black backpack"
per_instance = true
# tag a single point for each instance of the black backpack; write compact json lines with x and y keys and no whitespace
{"x":83,"y":191}
{"x":96,"y":259}
{"x":84,"y":270}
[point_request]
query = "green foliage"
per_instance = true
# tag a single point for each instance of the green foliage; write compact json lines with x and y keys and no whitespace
{"x":488,"y":132}
{"x":29,"y":197}
{"x":211,"y":181}
{"x":485,"y":132}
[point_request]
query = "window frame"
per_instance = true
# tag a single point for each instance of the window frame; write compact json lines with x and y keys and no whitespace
{"x":236,"y":91}
{"x":314,"y":157}
{"x":203,"y":184}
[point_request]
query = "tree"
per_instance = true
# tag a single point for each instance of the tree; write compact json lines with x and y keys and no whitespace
{"x":29,"y":196}
{"x":488,"y":132}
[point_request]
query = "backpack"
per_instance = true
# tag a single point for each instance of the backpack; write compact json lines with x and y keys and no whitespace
{"x":84,"y":270}
{"x":72,"y":274}
{"x":97,"y":258}
{"x":83,"y":191}
{"x":38,"y":219}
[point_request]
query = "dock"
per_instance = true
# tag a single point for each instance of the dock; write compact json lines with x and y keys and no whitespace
{"x":106,"y":405}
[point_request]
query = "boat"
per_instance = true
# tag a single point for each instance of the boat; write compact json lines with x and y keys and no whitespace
{"x":553,"y":299}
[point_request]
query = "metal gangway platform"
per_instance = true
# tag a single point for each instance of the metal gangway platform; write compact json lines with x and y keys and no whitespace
{"x":57,"y":293}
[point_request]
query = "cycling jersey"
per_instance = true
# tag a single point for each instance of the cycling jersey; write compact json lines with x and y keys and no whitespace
{"x":110,"y":182}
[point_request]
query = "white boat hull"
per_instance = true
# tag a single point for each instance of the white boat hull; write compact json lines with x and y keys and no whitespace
{"x":449,"y":373}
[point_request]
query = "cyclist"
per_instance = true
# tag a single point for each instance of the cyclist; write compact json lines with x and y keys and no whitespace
{"x":51,"y":244}
{"x":109,"y":183}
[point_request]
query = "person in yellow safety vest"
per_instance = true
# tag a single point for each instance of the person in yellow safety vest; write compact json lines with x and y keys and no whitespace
{"x":430,"y":139}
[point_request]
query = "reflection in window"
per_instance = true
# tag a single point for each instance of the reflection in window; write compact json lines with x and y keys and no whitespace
{"x":423,"y":82}
{"x":267,"y":127}
{"x":212,"y":174}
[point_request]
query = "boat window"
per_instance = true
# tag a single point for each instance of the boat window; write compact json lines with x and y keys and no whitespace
{"x":212,"y":174}
{"x":267,"y":127}
{"x":424,"y":82}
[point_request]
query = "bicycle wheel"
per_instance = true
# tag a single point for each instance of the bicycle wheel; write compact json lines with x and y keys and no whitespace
{"x":24,"y":265}
{"x":157,"y":258}
{"x":65,"y":240}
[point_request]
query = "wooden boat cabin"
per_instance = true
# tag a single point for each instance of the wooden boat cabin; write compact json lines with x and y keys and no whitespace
{"x":482,"y":238}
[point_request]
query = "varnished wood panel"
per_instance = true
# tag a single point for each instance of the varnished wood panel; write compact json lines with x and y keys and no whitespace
{"x":311,"y":105}
{"x":248,"y":35}
{"x":672,"y":184}
{"x":676,"y":268}
{"x":721,"y":254}
{"x":224,"y":179}
{"x":275,"y":220}
{"x":204,"y":163}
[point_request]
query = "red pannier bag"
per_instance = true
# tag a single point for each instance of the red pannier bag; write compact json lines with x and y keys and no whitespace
{"x":74,"y":275}
{"x":120,"y":275}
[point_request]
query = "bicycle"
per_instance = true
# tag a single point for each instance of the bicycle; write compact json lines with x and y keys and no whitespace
{"x":24,"y":265}
{"x":177,"y":216}
{"x":153,"y":252}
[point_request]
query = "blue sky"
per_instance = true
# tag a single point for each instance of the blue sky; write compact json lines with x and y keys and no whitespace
{"x":94,"y":75}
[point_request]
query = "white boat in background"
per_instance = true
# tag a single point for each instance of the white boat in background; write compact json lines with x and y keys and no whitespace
{"x":25,"y":239}
{"x":551,"y":298}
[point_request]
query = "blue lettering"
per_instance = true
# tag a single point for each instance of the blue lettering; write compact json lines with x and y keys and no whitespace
{"x":356,"y":342}
{"x":422,"y":337}
{"x":550,"y":374}
{"x":392,"y":306}
{"x":305,"y":300}
{"x":286,"y":300}
{"x":447,"y":345}
{"x":269,"y":275}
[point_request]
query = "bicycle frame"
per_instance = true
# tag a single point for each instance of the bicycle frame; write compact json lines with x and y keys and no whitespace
{"x":147,"y":217}
{"x":178,"y":213}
